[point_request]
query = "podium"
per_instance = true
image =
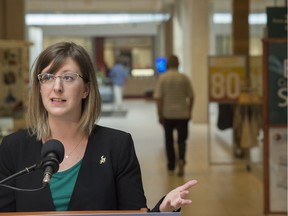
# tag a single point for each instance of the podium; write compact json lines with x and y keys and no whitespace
{"x":142,"y":212}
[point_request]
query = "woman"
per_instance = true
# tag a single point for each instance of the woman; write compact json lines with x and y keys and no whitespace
{"x":100,"y":170}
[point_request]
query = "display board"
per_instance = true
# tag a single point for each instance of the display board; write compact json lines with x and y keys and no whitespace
{"x":226,"y":78}
{"x":275,"y":73}
{"x":277,"y":22}
{"x":277,"y":82}
{"x":277,"y":169}
{"x":14,"y":78}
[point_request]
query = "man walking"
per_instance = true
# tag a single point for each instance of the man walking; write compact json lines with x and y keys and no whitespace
{"x":118,"y":74}
{"x":174,"y":97}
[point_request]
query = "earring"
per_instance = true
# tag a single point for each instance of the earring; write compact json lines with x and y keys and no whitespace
{"x":85,"y":96}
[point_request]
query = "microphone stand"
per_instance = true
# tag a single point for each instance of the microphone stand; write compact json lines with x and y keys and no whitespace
{"x":20,"y":173}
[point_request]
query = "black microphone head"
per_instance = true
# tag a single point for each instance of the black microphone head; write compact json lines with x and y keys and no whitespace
{"x":53,"y":146}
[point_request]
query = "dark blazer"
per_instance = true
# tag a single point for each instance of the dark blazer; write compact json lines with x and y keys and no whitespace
{"x":115,"y":184}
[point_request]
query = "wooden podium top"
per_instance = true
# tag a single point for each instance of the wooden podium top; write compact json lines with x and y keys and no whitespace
{"x":58,"y":213}
{"x":141,"y":212}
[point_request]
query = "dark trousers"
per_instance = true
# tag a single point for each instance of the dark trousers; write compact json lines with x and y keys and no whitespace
{"x":181,"y":125}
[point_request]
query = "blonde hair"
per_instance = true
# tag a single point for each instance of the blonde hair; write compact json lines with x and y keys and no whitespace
{"x":37,"y":116}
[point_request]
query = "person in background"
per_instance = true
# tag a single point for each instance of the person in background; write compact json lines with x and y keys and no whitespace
{"x":118,"y":74}
{"x":174,"y":97}
{"x":100,"y":169}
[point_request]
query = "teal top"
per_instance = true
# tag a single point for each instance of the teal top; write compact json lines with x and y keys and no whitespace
{"x":62,"y":185}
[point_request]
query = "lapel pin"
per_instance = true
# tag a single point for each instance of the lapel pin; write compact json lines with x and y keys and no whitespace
{"x":102,"y":160}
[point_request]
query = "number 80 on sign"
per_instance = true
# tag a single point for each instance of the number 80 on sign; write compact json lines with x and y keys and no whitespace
{"x":224,"y":86}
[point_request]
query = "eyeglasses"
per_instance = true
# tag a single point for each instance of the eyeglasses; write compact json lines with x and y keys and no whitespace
{"x":47,"y":78}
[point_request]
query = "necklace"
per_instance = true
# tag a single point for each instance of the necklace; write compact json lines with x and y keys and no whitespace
{"x":68,"y":155}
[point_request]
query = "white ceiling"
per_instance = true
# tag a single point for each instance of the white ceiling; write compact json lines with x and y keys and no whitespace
{"x":99,"y":6}
{"x":132,"y":6}
{"x":124,"y":6}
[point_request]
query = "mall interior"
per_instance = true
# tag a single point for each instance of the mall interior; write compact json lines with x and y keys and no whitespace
{"x":223,"y":47}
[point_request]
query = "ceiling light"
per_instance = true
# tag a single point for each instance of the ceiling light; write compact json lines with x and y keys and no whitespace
{"x":92,"y":19}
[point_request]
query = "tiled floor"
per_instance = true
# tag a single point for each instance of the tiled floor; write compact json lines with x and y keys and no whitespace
{"x":224,"y":189}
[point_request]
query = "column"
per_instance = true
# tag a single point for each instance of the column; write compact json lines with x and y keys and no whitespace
{"x":99,"y":51}
{"x":169,"y":37}
{"x":12,"y":19}
{"x":240,"y":31}
{"x":197,"y":54}
{"x":240,"y":27}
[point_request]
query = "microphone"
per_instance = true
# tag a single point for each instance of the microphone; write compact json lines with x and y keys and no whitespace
{"x":53,"y":154}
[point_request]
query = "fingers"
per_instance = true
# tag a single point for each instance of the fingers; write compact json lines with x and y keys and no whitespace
{"x":183,"y":194}
{"x":170,"y":206}
{"x":176,"y":198}
{"x":179,"y":201}
{"x":178,"y":204}
{"x":187,"y":185}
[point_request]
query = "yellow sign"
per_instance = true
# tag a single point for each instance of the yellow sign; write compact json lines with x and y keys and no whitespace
{"x":226,"y":78}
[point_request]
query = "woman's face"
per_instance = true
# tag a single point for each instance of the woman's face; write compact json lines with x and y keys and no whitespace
{"x":62,"y":96}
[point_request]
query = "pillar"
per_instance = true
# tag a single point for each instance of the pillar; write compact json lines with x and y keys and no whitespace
{"x":12,"y":19}
{"x":240,"y":31}
{"x":198,"y":48}
{"x":240,"y":27}
{"x":169,"y":37}
{"x":192,"y":45}
{"x":99,"y":52}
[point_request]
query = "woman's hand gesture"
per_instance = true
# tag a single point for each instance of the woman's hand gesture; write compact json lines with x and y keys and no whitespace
{"x":176,"y":198}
